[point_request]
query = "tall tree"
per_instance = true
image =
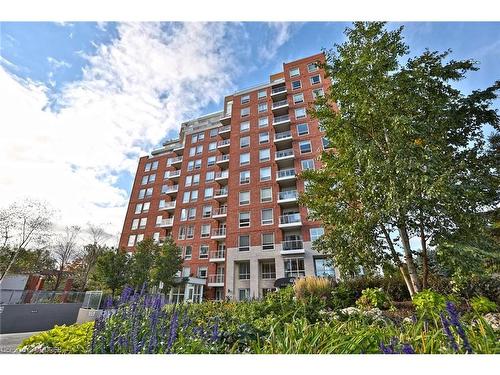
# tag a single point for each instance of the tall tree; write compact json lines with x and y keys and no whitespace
{"x":166,"y":264}
{"x":65,"y":250}
{"x":408,"y":159}
{"x":142,"y":262}
{"x":112,"y":270}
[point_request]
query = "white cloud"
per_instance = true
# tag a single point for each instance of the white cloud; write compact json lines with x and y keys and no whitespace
{"x":56,"y":64}
{"x":280,"y":34}
{"x":108,"y":119}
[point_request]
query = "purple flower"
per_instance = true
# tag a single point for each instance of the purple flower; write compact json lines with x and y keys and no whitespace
{"x":173,"y":330}
{"x":112,"y":342}
{"x":407,"y":349}
{"x":449,"y":334}
{"x":454,"y":319}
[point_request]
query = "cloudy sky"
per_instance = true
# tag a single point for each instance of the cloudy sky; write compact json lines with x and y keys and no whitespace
{"x":81,"y":102}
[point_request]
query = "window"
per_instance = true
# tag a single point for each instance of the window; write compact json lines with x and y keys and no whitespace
{"x":197,"y":164}
{"x":196,"y":179}
{"x":144,"y":180}
{"x":201,"y":136}
{"x":149,"y":192}
{"x":214,"y":132}
{"x":245,"y":158}
{"x":262,"y":94}
{"x":154,"y":166}
{"x":263,"y":122}
{"x":263,"y":137}
{"x":189,"y":181}
{"x":142,"y":193}
{"x":212,"y":146}
{"x":305,"y":147}
{"x":183,"y":214}
{"x":298,"y":98}
{"x":190,"y":232}
{"x":205,"y":230}
{"x":244,"y":198}
{"x":264,"y":154}
{"x":156,"y":236}
{"x":140,"y":238}
{"x":302,"y":129}
{"x":266,"y":195}
{"x":244,"y":142}
{"x":325,"y":143}
{"x":229,"y":108}
{"x":147,"y":167}
{"x":202,"y":272}
{"x":207,"y":211}
{"x":245,"y":99}
{"x":317,"y":92}
{"x":145,"y":207}
{"x":192,"y":213}
{"x":245,"y":126}
{"x":186,"y":271}
{"x":245,"y":112}
{"x":185,"y":197}
{"x":143,"y":222}
{"x":267,"y":216}
{"x":315,"y":80}
{"x":211,"y":160}
{"x":203,"y":252}
{"x":138,"y":208}
{"x":296,"y":85}
{"x":244,"y":270}
{"x":194,"y":195}
{"x":268,"y":270}
{"x":300,"y":113}
{"x":307,"y":164}
{"x":190,"y":165}
{"x":262,"y":107}
{"x":294,"y":72}
{"x":188,"y":252}
{"x":131,"y":240}
{"x":265,"y":174}
{"x":209,"y":193}
{"x":244,"y":294}
{"x":312,"y":67}
{"x":294,"y":267}
{"x":244,"y":219}
{"x":194,"y":138}
{"x":182,"y":233}
{"x":316,"y":233}
{"x":159,"y":219}
{"x":324,"y":267}
{"x":135,"y":224}
{"x":267,"y":241}
{"x":244,"y":177}
{"x":192,"y":151}
{"x":199,"y":149}
{"x":210,"y":176}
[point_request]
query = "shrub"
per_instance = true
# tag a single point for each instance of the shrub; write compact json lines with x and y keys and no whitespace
{"x":306,"y":287}
{"x":429,"y":303}
{"x":483,"y":305}
{"x":373,"y":298}
{"x":342,"y":296}
{"x":73,"y":339}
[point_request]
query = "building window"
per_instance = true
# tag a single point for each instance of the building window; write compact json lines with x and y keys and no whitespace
{"x":192,"y":151}
{"x":186,"y":272}
{"x":138,"y":208}
{"x":131,"y":240}
{"x":135,"y":224}
{"x":194,"y":195}
{"x":244,"y":294}
{"x":265,"y":174}
{"x":159,"y":219}
{"x":300,"y":113}
{"x":244,"y":177}
{"x":323,"y":267}
{"x":145,"y":207}
{"x":266,"y":195}
{"x":305,"y":147}
{"x":210,"y":176}
{"x":212,"y":146}
{"x":144,"y":180}
{"x":194,"y":138}
{"x":185,"y":197}
{"x":207,"y":211}
{"x":267,"y":216}
{"x":316,"y":233}
{"x":143,"y":222}
{"x":205,"y":230}
{"x":298,"y":98}
{"x":244,"y":219}
{"x":214,"y":132}
{"x":142,"y":193}
{"x":202,"y":272}
{"x":245,"y":99}
{"x":244,"y":142}
{"x":302,"y":129}
{"x":182,"y":233}
{"x":318,"y":92}
{"x":244,"y":198}
{"x":296,"y":85}
{"x":268,"y":270}
{"x":188,"y":252}
{"x":192,"y":213}
{"x":264,"y":154}
{"x":190,"y":232}
{"x":325,"y":142}
{"x":156,"y":237}
{"x":199,"y":150}
{"x":263,"y":137}
{"x":263,"y":122}
{"x":262,"y":94}
{"x":201,"y":136}
{"x":245,"y":126}
{"x":267,"y":241}
{"x":245,"y":158}
{"x":245,"y":112}
{"x":190,"y":165}
{"x":189,"y":181}
{"x":183,"y":215}
{"x":209,"y":193}
{"x":312,"y":67}
{"x":307,"y":164}
{"x":147,"y":167}
{"x":197,"y":164}
{"x":244,"y":270}
{"x":294,"y":267}
{"x":203,"y":252}
{"x":211,"y":160}
{"x":315,"y":80}
{"x":140,"y":238}
{"x":262,"y":107}
{"x":294,"y":72}
{"x":244,"y":243}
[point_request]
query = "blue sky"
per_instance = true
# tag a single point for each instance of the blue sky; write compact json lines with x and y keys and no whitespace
{"x":87,"y":99}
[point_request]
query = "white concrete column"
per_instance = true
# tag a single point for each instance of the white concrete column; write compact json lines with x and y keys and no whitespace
{"x":254,"y":278}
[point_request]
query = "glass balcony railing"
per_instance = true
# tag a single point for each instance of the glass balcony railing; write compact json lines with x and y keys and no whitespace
{"x":290,"y":194}
{"x":170,"y":189}
{"x":290,"y":219}
{"x":284,"y":153}
{"x":223,"y":129}
{"x":167,"y":205}
{"x":282,"y":135}
{"x":218,"y":278}
{"x":292,"y":245}
{"x":220,"y":211}
{"x":225,"y":142}
{"x":177,"y":160}
{"x":280,"y":103}
{"x":218,"y":232}
{"x":284,"y":173}
{"x":279,"y":119}
{"x":278,"y":90}
{"x":218,"y":254}
{"x":220,"y":192}
{"x":222,"y":158}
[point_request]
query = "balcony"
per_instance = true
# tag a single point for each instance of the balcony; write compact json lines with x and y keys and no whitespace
{"x":290,"y":221}
{"x":279,"y":92}
{"x":168,"y":206}
{"x":222,"y":176}
{"x":283,"y":136}
{"x":223,"y":145}
{"x":215,"y":280}
{"x":292,"y":247}
{"x":280,"y":107}
{"x":288,"y":196}
{"x":172,"y":175}
{"x":221,"y":194}
{"x":281,"y":123}
{"x":176,"y":161}
{"x":172,"y":189}
{"x":219,"y":233}
{"x":217,"y":256}
{"x":166,"y":223}
{"x":179,"y":149}
{"x":284,"y":155}
{"x":225,"y":131}
{"x":226,"y":119}
{"x":286,"y":177}
{"x":222,"y":160}
{"x":220,"y":212}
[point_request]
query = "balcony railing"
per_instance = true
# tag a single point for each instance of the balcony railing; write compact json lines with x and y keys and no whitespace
{"x":284,"y":153}
{"x":280,"y":103}
{"x":218,"y":232}
{"x":290,"y":219}
{"x":281,"y":119}
{"x":222,"y":158}
{"x":286,"y":173}
{"x":216,"y":279}
{"x":178,"y":159}
{"x":171,"y":174}
{"x":224,"y":128}
{"x":278,"y":90}
{"x":166,"y":222}
{"x":220,"y":211}
{"x":170,"y":189}
{"x":289,"y":194}
{"x":292,"y":245}
{"x":168,"y":205}
{"x":218,"y":254}
{"x":220,"y":192}
{"x":225,"y":142}
{"x":282,"y":135}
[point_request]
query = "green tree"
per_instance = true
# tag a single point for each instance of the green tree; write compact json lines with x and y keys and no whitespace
{"x":167,"y":263}
{"x":142,"y":262}
{"x":408,"y":157}
{"x":27,"y":261}
{"x":111,"y":270}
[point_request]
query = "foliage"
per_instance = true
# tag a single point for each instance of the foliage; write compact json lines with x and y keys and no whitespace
{"x":34,"y":260}
{"x":483,"y":305}
{"x":373,"y":298}
{"x":428,"y":303}
{"x":310,"y":286}
{"x":74,"y":339}
{"x":112,"y":270}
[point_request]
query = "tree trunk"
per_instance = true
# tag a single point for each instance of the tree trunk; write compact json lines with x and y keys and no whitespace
{"x":412,"y":270}
{"x":425,"y":259}
{"x":11,"y":263}
{"x":397,"y":261}
{"x":58,"y":280}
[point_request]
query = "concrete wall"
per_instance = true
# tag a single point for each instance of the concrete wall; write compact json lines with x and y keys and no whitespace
{"x":36,"y":317}
{"x":87,"y":315}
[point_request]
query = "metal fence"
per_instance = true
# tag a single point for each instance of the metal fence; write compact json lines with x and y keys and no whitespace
{"x":12,"y":297}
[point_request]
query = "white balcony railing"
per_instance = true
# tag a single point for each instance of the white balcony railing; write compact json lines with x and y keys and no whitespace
{"x":222,"y":158}
{"x":220,"y":211}
{"x":282,"y":135}
{"x":172,"y":174}
{"x":290,"y":219}
{"x":278,"y":90}
{"x":223,"y":129}
{"x":284,"y":153}
{"x":280,"y":103}
{"x":289,"y":194}
{"x":218,"y":232}
{"x":216,"y":278}
{"x":279,"y":119}
{"x":166,"y":222}
{"x":292,"y":245}
{"x":218,"y":254}
{"x":284,"y":173}
{"x":178,"y":159}
{"x":222,"y":174}
{"x":221,"y":192}
{"x":223,"y":143}
{"x":167,"y":205}
{"x":170,"y":189}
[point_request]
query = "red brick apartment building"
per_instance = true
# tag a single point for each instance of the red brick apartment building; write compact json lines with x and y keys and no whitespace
{"x":226,"y":190}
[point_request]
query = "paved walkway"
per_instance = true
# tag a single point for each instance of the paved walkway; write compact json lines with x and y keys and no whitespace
{"x":10,"y":341}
